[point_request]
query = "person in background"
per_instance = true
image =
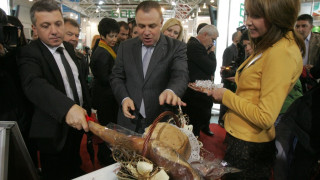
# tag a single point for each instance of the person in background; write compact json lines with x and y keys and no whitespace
{"x":244,"y":51}
{"x":247,"y":45}
{"x":130,"y":24}
{"x":102,"y":62}
{"x":231,"y":53}
{"x":173,"y":28}
{"x":94,"y":43}
{"x":14,"y":104}
{"x":134,"y":30}
{"x":13,"y":21}
{"x":200,"y":26}
{"x":53,"y":82}
{"x":304,"y":26}
{"x":124,"y":32}
{"x":263,"y":82}
{"x":71,"y":35}
{"x":150,"y":71}
{"x":201,"y":65}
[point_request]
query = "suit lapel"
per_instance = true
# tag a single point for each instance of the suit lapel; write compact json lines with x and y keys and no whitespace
{"x":157,"y":55}
{"x":136,"y":52}
{"x":47,"y":55}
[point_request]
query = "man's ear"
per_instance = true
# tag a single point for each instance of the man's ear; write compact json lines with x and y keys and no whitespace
{"x":34,"y":29}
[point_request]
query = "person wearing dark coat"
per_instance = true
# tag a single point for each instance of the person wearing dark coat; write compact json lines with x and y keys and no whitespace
{"x":102,"y":62}
{"x":53,"y":81}
{"x":201,"y":65}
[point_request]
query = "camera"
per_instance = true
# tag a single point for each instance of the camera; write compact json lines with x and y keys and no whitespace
{"x":8,"y":36}
{"x":229,"y":71}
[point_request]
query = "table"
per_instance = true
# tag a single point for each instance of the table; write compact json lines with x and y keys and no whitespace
{"x":106,"y":173}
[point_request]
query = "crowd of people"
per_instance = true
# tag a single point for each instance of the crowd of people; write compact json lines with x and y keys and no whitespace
{"x":143,"y":67}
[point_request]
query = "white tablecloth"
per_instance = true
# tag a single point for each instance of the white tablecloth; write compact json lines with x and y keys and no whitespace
{"x":106,"y":173}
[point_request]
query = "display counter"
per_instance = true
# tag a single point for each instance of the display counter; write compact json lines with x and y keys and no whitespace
{"x":106,"y":173}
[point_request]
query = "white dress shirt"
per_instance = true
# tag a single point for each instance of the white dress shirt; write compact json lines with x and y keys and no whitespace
{"x":63,"y":73}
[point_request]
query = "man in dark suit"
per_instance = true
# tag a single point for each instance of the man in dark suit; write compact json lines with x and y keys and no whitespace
{"x":53,"y":82}
{"x":202,"y":65}
{"x":231,"y":52}
{"x":144,"y":87}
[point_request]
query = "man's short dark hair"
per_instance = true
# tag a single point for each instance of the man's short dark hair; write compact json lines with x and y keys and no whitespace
{"x":107,"y":25}
{"x":124,"y":25}
{"x":234,"y":35}
{"x":305,"y":17}
{"x":43,"y":5}
{"x":72,"y":22}
{"x":146,"y":6}
{"x":200,"y":26}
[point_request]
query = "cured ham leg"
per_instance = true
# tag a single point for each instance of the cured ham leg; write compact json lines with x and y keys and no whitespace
{"x":157,"y":152}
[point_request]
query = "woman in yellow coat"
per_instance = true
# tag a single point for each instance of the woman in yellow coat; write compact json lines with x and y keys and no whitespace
{"x":263,"y":82}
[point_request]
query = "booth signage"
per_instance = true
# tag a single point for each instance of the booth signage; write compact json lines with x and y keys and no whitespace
{"x":124,"y":13}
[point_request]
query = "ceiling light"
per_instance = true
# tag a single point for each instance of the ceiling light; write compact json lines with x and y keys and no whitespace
{"x":212,"y":1}
{"x":204,"y":5}
{"x":118,"y":10}
{"x":199,"y":10}
{"x":97,"y":10}
{"x":173,"y":3}
{"x":162,"y":9}
{"x":100,"y":2}
{"x":192,"y":15}
{"x":84,"y":20}
{"x":71,"y":15}
{"x":30,"y":0}
{"x":76,"y":17}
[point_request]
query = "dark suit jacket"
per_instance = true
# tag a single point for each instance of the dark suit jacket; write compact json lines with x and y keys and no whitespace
{"x":167,"y":70}
{"x":43,"y":85}
{"x":229,"y":54}
{"x":101,"y":66}
{"x":201,"y":64}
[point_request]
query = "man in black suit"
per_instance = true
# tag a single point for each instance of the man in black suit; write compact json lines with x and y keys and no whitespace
{"x":202,"y":65}
{"x":53,"y":82}
{"x":149,"y":71}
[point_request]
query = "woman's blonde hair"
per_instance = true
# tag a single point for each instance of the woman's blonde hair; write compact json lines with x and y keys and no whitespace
{"x":280,"y":16}
{"x":172,"y":22}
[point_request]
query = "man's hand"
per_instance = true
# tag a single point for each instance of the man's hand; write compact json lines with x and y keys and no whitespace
{"x":128,"y":105}
{"x":171,"y":98}
{"x":76,"y":118}
{"x":217,"y":94}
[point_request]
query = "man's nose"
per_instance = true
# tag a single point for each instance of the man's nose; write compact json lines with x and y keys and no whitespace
{"x":146,"y":31}
{"x":54,"y":30}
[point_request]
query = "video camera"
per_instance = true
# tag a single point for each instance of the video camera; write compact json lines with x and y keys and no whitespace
{"x":9,"y":36}
{"x":229,"y":71}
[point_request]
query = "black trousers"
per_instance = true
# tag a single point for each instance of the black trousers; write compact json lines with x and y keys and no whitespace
{"x":65,"y":164}
{"x":198,"y":109}
{"x":303,"y":163}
